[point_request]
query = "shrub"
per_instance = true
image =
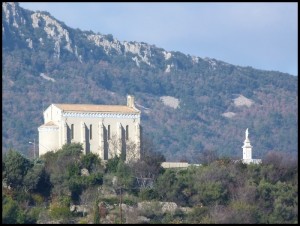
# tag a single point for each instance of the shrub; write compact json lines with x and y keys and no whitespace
{"x":10,"y":212}
{"x":33,"y":215}
{"x":112,"y":164}
{"x":37,"y":198}
{"x":129,"y":200}
{"x":60,"y":212}
{"x":111,"y":200}
{"x":148,"y":194}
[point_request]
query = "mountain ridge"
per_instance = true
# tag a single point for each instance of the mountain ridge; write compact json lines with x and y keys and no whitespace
{"x":108,"y":42}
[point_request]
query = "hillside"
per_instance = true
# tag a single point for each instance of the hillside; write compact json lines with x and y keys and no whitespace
{"x":45,"y":61}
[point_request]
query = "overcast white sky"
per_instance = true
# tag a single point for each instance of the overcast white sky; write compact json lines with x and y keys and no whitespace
{"x":260,"y":35}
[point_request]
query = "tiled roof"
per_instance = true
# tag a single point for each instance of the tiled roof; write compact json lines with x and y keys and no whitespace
{"x":50,"y":123}
{"x":96,"y":108}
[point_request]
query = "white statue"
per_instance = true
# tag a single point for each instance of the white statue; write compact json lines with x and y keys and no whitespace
{"x":247,"y":133}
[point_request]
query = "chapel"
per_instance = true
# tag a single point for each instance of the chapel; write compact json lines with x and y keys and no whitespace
{"x":106,"y":130}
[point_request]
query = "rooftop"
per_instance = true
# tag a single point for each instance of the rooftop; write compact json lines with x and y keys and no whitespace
{"x":49,"y":124}
{"x":96,"y":108}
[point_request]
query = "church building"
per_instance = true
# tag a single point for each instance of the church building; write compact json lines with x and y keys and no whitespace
{"x":106,"y":130}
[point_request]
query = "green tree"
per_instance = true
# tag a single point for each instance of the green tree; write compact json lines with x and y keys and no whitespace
{"x":16,"y":167}
{"x":62,"y":166}
{"x":285,"y":205}
{"x":112,"y":164}
{"x":210,"y":192}
{"x":33,"y":177}
{"x":166,"y":185}
{"x":11,"y":213}
{"x":197,"y":214}
{"x":91,"y":161}
{"x":124,"y":175}
{"x":243,"y":212}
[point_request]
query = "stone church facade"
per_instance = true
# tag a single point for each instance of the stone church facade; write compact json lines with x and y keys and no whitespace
{"x":106,"y":130}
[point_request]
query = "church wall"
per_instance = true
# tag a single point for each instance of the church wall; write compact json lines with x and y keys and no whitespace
{"x":48,"y":139}
{"x":82,"y":133}
{"x":52,"y":113}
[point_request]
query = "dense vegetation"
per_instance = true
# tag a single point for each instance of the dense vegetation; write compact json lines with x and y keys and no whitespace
{"x":205,"y":87}
{"x":45,"y":190}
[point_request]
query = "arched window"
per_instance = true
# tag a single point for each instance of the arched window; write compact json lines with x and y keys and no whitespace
{"x":108,"y":132}
{"x":127,"y":132}
{"x":91,"y":132}
{"x":72,"y":131}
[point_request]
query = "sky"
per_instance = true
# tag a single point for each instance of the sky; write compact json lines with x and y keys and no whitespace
{"x":261,"y":35}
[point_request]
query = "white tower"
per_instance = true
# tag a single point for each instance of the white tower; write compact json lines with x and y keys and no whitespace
{"x":247,"y":148}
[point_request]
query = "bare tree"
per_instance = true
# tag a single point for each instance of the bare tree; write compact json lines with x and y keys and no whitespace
{"x":285,"y":165}
{"x":207,"y":157}
{"x":132,"y":152}
{"x":114,"y":146}
{"x":148,"y":167}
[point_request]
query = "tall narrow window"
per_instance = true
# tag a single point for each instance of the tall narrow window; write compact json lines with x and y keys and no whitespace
{"x":72,"y":131}
{"x":91,"y":132}
{"x":108,"y":132}
{"x":127,"y":132}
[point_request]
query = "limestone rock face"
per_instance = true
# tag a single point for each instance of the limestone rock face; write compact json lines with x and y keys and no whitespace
{"x":243,"y":101}
{"x":170,"y":101}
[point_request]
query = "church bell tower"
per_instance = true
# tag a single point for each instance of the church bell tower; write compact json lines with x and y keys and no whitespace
{"x":247,"y":148}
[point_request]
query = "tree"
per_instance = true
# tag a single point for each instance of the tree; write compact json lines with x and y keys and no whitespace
{"x":62,"y":166}
{"x":285,"y":205}
{"x":114,"y":146}
{"x":125,"y":178}
{"x":166,"y":185}
{"x":235,"y":213}
{"x":279,"y":166}
{"x":16,"y":167}
{"x":90,"y":161}
{"x":147,"y":169}
{"x":210,"y":192}
{"x":33,"y":177}
{"x":196,"y":215}
{"x":11,"y":213}
{"x":112,"y":164}
{"x":208,"y":156}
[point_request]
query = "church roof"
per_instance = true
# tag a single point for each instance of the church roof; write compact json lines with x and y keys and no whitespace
{"x":50,"y":123}
{"x":96,"y":108}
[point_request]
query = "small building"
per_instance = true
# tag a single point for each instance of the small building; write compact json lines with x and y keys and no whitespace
{"x":247,"y":151}
{"x":106,"y":130}
{"x":167,"y":165}
{"x":173,"y":165}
